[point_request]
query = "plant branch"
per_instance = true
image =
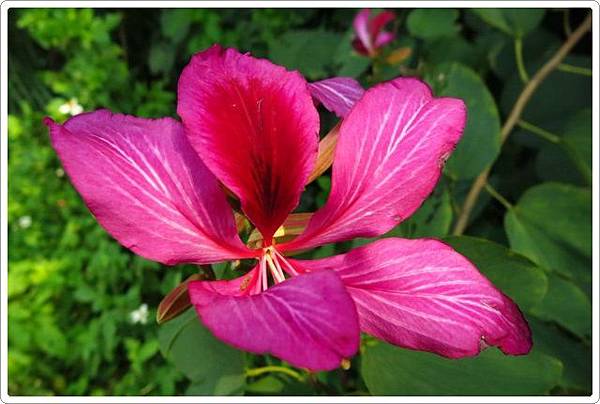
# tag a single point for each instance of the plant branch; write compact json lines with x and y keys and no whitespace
{"x":515,"y":115}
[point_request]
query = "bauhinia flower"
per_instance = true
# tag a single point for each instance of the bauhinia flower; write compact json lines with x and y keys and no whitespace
{"x":370,"y":36}
{"x":250,"y":127}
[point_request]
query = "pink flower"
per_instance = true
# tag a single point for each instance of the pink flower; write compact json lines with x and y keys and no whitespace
{"x":153,"y":184}
{"x":369,"y":33}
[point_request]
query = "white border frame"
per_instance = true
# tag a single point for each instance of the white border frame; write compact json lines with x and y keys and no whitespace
{"x":6,"y":5}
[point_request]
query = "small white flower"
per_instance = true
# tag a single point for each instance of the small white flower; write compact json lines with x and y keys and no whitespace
{"x":71,"y":107}
{"x":140,"y":315}
{"x":24,"y":222}
{"x":60,"y":172}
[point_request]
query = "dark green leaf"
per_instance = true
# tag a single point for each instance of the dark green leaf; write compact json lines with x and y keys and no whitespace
{"x":175,"y":23}
{"x":551,"y":225}
{"x":212,"y":366}
{"x":567,"y":305}
{"x":310,"y":52}
{"x":513,"y":21}
{"x":429,"y":23}
{"x":575,"y":356}
{"x":388,"y":370}
{"x":480,"y":143}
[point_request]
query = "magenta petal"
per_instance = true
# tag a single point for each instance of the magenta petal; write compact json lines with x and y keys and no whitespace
{"x":361,"y":29}
{"x":147,"y":187}
{"x":383,"y":39}
{"x":255,"y":126}
{"x":338,"y":94}
{"x":378,"y":22}
{"x":309,"y":321}
{"x":421,"y":294}
{"x":389,"y":156}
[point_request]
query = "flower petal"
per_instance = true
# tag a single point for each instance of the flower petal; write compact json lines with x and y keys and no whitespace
{"x":147,"y":187}
{"x":378,"y":22}
{"x":421,"y":294}
{"x":337,"y":94}
{"x":309,"y":321}
{"x":255,"y":126}
{"x":383,"y":39}
{"x":389,"y":156}
{"x":361,"y":29}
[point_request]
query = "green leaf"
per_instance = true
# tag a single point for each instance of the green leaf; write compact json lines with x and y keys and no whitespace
{"x":389,"y":370}
{"x":310,"y":51}
{"x":430,"y":23}
{"x":567,"y":305}
{"x":349,"y":62}
{"x":575,"y":356}
{"x":551,"y":225}
{"x":161,"y":57}
{"x":175,"y":23}
{"x":578,"y":135}
{"x":513,"y":21}
{"x":213,"y":367}
{"x":571,"y":159}
{"x":513,"y":274}
{"x":480,"y":143}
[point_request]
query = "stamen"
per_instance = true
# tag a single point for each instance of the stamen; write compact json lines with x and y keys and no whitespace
{"x":286,"y":265}
{"x":276,"y":272}
{"x":263,"y":273}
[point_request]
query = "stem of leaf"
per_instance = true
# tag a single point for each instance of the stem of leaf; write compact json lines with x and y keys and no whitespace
{"x":519,"y":57}
{"x":496,"y":195}
{"x":536,"y":130}
{"x":515,"y":115}
{"x":274,"y":369}
{"x":567,"y":68}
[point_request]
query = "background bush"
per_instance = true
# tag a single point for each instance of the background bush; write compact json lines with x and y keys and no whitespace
{"x":76,"y":298}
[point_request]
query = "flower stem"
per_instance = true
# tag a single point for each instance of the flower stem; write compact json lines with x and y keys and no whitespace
{"x":496,"y":195}
{"x":515,"y":115}
{"x":565,"y":67}
{"x":536,"y":130}
{"x":519,"y":57}
{"x":280,"y":369}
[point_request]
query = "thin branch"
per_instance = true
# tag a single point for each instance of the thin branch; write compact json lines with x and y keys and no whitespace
{"x":515,"y":115}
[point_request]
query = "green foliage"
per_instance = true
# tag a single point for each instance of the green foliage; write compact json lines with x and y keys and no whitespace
{"x":76,"y":296}
{"x":491,"y":373}
{"x":213,"y":367}
{"x":432,"y":23}
{"x":481,"y":140}
{"x":513,"y":21}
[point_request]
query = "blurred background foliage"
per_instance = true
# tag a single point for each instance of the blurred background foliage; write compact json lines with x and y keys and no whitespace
{"x":81,"y":308}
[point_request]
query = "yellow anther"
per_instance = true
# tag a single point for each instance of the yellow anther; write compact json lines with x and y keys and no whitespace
{"x":345,"y":364}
